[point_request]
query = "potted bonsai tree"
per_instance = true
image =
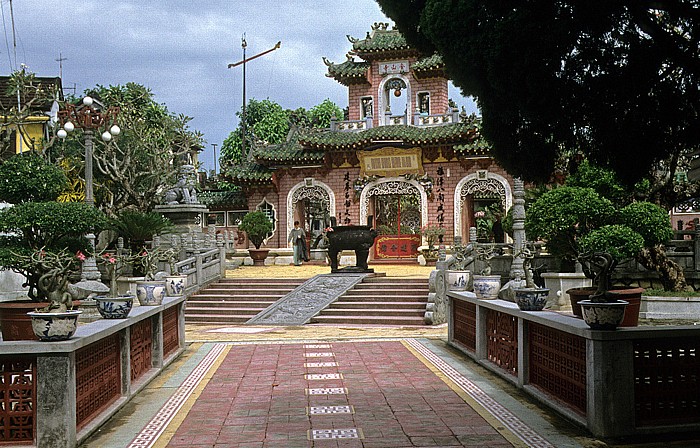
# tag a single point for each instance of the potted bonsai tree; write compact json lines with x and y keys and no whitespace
{"x":114,"y":305}
{"x":602,"y":250}
{"x":36,"y":223}
{"x":432,"y":235}
{"x":57,"y":321}
{"x":485,"y":285}
{"x":530,"y":297}
{"x":151,"y":290}
{"x":257,"y":226}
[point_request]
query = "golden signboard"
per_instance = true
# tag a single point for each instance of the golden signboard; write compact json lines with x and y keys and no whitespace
{"x":390,"y":162}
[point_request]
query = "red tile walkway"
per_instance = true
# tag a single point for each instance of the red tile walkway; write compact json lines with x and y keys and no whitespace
{"x":261,"y":395}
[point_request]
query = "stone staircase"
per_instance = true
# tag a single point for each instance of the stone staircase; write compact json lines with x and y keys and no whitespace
{"x":235,"y":301}
{"x":380,"y":301}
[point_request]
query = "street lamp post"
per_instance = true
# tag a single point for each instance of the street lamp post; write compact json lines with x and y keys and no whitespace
{"x":89,"y":117}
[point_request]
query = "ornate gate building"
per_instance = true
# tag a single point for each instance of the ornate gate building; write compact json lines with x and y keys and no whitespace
{"x":404,"y":158}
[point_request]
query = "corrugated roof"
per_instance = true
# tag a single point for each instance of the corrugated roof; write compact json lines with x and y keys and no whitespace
{"x":9,"y":100}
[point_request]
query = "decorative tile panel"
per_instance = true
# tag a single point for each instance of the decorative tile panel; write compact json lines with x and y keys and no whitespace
{"x":141,"y":348}
{"x":97,"y":378}
{"x":667,"y":381}
{"x":17,"y":406}
{"x":465,"y":323}
{"x":502,"y":343}
{"x":558,"y":365}
{"x":326,"y":434}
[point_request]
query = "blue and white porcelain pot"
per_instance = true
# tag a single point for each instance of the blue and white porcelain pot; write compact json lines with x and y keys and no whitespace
{"x":486,"y":286}
{"x":150,"y":293}
{"x":531,"y":299}
{"x":175,"y":285}
{"x":115,"y":307}
{"x":605,"y":315}
{"x":54,"y":326}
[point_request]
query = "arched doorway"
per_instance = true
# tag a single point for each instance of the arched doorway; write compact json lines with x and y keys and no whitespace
{"x":397,"y":208}
{"x":482,"y":200}
{"x":312,"y":203}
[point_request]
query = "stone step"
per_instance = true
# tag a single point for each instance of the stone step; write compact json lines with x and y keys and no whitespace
{"x":264,"y":281}
{"x":422,"y":298}
{"x":228,"y":319}
{"x":361,"y":312}
{"x":378,"y":305}
{"x":234,"y":297}
{"x":228,"y":304}
{"x":369,"y":320}
{"x":388,"y":293}
{"x":243,"y":289}
{"x":225,"y":311}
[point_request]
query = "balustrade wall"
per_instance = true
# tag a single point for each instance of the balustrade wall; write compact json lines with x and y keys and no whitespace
{"x":55,"y":394}
{"x":631,"y":381}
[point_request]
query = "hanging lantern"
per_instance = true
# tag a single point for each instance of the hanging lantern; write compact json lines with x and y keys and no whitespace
{"x":397,"y":92}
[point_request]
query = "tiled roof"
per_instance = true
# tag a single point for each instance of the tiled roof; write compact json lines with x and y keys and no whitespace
{"x":248,"y":173}
{"x":379,"y":41}
{"x":456,"y":133}
{"x":428,"y":65}
{"x":287,"y":153}
{"x":349,"y":72}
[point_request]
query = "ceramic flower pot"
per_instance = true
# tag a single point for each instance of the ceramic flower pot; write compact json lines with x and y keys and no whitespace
{"x":457,"y":280}
{"x":114,"y":307}
{"x":603,"y":316}
{"x":54,"y":326}
{"x":150,"y":293}
{"x":487,"y":286}
{"x":175,"y":285}
{"x":531,"y":299}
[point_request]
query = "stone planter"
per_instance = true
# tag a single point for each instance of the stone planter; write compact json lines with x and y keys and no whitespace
{"x":603,"y":316}
{"x":175,"y":285}
{"x":531,"y":299}
{"x":487,"y":286}
{"x":150,"y":293}
{"x":458,"y":280}
{"x":54,"y":326}
{"x":114,"y":307}
{"x":560,"y":282}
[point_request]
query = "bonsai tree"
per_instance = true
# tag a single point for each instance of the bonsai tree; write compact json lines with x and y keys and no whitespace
{"x":602,"y":250}
{"x":257,"y":226}
{"x":36,"y":224}
{"x":432,"y":234}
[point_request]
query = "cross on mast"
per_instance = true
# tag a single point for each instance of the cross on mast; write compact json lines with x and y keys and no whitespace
{"x":244,"y":44}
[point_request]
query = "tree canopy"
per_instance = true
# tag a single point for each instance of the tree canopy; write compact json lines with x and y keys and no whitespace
{"x":133,"y":170}
{"x":617,"y":80}
{"x":267,"y":121}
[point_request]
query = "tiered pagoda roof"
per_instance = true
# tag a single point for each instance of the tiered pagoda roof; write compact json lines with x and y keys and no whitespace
{"x":381,"y":43}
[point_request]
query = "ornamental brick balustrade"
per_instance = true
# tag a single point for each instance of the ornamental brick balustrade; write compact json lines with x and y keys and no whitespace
{"x":632,"y":381}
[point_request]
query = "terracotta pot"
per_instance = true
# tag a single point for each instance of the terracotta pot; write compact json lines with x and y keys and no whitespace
{"x":634,"y":297}
{"x":258,"y":256}
{"x":631,"y":295}
{"x":16,"y":324}
{"x":576,"y":295}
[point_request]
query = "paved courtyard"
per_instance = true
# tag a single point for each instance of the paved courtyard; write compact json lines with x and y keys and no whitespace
{"x":333,"y":386}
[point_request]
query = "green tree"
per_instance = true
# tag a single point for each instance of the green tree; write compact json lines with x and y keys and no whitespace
{"x":268,"y":122}
{"x":618,"y":80}
{"x":132,"y":170}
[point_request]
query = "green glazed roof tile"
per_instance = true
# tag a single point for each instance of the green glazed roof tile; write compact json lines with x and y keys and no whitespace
{"x":427,"y":63}
{"x":449,"y":133}
{"x":249,"y":173}
{"x":349,"y":72}
{"x":380,"y":41}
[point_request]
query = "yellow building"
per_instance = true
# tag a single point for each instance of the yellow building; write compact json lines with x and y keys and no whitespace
{"x":24,"y":119}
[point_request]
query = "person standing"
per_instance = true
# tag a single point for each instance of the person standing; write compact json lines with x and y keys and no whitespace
{"x":298,"y":239}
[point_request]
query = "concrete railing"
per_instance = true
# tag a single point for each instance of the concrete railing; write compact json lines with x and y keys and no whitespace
{"x":632,"y":381}
{"x":61,"y":392}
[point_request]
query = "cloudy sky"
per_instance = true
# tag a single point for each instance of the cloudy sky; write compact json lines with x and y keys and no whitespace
{"x":180,"y":49}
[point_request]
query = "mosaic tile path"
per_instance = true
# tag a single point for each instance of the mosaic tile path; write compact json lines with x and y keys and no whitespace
{"x":372,"y":394}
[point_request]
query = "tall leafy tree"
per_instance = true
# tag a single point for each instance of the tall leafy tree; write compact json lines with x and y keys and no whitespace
{"x":145,"y":159}
{"x":269,"y":122}
{"x":617,"y":79}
